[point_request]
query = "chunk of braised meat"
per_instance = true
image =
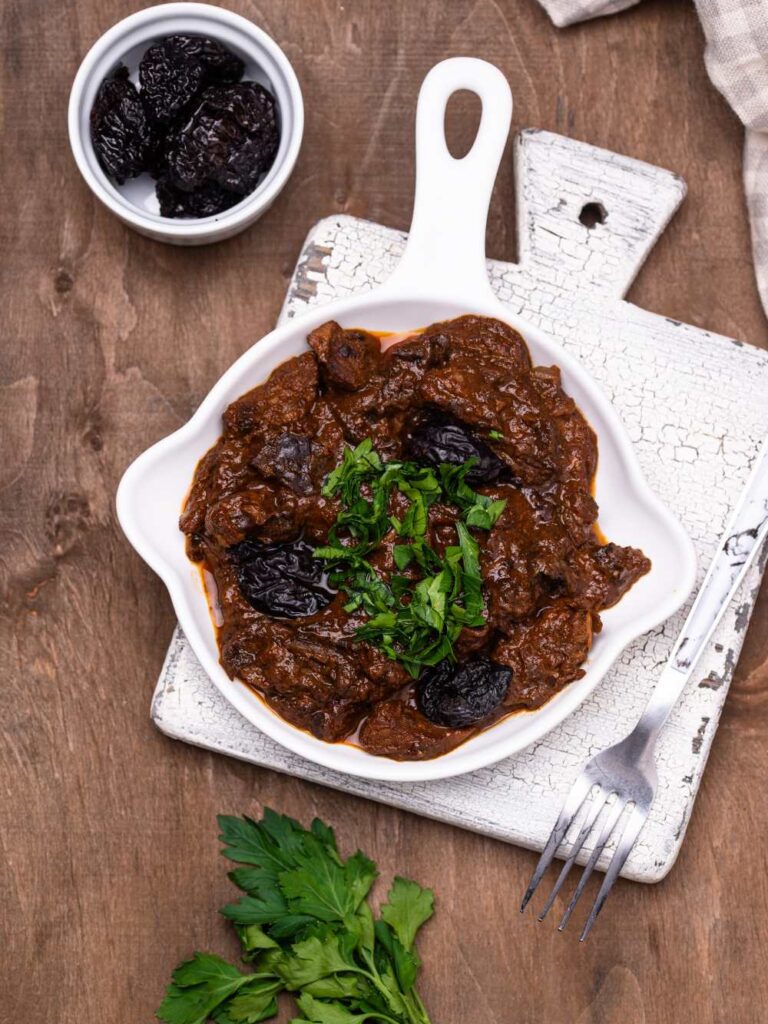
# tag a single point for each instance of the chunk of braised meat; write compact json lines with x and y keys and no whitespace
{"x":223,"y":470}
{"x":286,"y":458}
{"x":513,"y":592}
{"x":315,"y":516}
{"x":348,"y":358}
{"x":205,"y":201}
{"x":298,"y":681}
{"x":328,"y":441}
{"x":484,"y":339}
{"x":437,"y":438}
{"x":621,"y":568}
{"x":366,"y":413}
{"x":429,"y":352}
{"x":259,"y":510}
{"x":120,"y":130}
{"x":545,"y":653}
{"x":230,"y":138}
{"x":398,"y":730}
{"x":284,"y":398}
{"x":459,"y":696}
{"x":577,"y":511}
{"x":472,"y":641}
{"x":385,"y":676}
{"x":524,"y":561}
{"x":332,"y":721}
{"x":316,"y":681}
{"x":282,"y":580}
{"x":173,"y":71}
{"x":601,"y":574}
{"x":575,"y":445}
{"x":373,"y":393}
{"x":230,"y":501}
{"x":486,"y":382}
{"x":577,"y":442}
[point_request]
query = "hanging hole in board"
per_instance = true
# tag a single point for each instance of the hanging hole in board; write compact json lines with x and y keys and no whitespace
{"x":462,"y":119}
{"x":591,"y":214}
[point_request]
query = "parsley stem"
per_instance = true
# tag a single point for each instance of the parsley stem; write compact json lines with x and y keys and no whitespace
{"x":415,"y":1015}
{"x":421,"y":1012}
{"x":375,"y":978}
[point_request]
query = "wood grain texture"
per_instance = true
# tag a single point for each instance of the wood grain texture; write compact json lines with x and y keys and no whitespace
{"x":110,"y":865}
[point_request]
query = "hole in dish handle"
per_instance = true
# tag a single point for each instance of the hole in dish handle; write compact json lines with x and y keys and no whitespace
{"x":445,"y":253}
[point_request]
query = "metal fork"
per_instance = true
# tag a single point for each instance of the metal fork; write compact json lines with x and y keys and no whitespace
{"x":614,"y":792}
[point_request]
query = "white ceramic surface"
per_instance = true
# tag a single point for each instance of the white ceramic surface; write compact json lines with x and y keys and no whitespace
{"x":442,"y":274}
{"x":135,"y":202}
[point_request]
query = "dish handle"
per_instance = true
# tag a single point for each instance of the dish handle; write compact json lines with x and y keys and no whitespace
{"x":445,"y":252}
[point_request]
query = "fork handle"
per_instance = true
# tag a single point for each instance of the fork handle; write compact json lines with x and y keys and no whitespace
{"x":739,"y":545}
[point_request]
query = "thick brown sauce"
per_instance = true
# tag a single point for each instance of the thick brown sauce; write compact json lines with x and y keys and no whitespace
{"x":548,"y":571}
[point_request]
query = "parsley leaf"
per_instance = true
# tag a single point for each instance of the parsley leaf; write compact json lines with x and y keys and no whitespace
{"x":199,"y":986}
{"x":319,"y":889}
{"x":316,"y":958}
{"x":295,"y":877}
{"x":306,"y":927}
{"x":253,"y":937}
{"x":274,"y":911}
{"x":256,"y":1001}
{"x":405,"y":962}
{"x":322,"y":1012}
{"x":408,"y":906}
{"x":360,"y":873}
{"x":337,"y":986}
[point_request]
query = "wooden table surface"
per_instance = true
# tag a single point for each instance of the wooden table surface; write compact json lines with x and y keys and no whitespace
{"x":110,"y":865}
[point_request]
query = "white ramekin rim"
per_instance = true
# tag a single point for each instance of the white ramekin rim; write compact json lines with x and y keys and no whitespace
{"x":106,"y":51}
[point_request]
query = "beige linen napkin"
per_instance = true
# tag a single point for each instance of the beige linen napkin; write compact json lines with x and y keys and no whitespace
{"x":737,"y":61}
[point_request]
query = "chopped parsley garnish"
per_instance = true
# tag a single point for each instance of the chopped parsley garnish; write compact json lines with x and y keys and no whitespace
{"x":414,"y":618}
{"x":306,"y":927}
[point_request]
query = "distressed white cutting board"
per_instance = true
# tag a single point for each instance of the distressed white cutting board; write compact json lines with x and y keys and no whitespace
{"x":696,"y":406}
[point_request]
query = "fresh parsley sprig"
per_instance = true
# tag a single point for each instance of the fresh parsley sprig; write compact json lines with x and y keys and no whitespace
{"x":416,"y":618}
{"x":306,"y":927}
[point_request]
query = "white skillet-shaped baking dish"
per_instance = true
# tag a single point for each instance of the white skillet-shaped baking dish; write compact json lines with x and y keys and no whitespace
{"x":441,"y":275}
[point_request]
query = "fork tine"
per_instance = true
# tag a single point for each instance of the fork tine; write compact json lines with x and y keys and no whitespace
{"x":594,"y":809}
{"x":629,"y":835}
{"x":578,"y":794}
{"x":608,"y":826}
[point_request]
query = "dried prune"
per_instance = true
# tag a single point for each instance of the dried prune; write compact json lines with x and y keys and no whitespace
{"x":120,"y":130}
{"x":173,"y":71}
{"x":205,"y":201}
{"x":458,"y":696}
{"x":231,"y":137}
{"x":287,"y":459}
{"x":281,"y":580}
{"x":439,"y":439}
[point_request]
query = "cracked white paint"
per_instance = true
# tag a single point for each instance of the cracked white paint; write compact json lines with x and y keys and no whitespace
{"x":694,"y":404}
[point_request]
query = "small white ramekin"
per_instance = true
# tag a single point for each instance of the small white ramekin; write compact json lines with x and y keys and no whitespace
{"x":126,"y":42}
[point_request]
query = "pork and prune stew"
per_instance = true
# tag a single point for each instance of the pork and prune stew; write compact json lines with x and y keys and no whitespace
{"x":401,"y":536}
